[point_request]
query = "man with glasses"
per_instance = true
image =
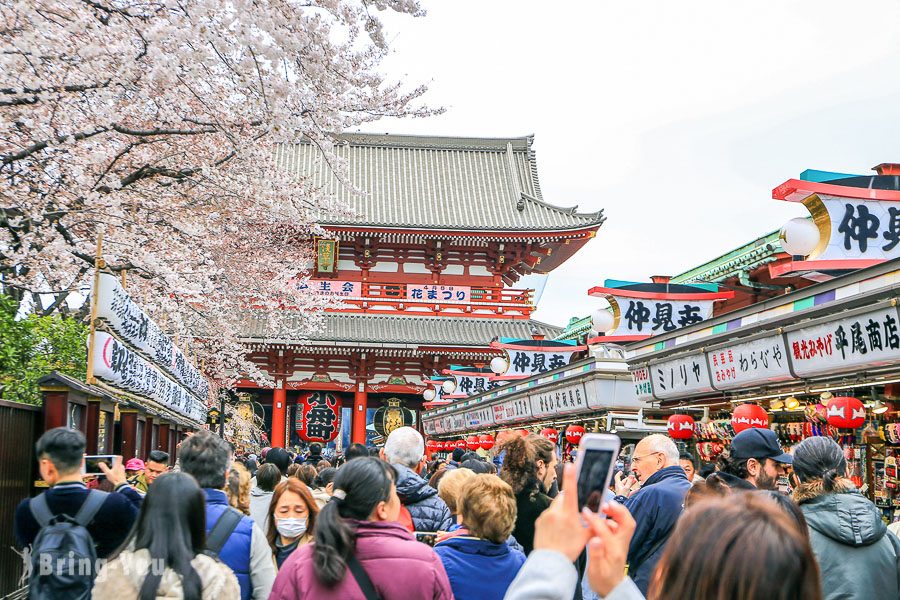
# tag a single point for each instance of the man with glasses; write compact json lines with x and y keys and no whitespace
{"x":656,"y":506}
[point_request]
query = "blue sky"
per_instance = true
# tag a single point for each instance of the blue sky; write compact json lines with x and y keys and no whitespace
{"x":676,"y":118}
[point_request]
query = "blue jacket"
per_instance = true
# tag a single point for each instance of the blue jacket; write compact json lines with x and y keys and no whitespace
{"x":479,"y":569}
{"x":656,"y":508}
{"x":236,"y":552}
{"x":428,"y":511}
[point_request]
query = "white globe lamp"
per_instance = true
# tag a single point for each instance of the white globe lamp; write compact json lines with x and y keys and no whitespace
{"x":499,"y":365}
{"x":799,"y":237}
{"x":429,"y":394}
{"x":602,"y":320}
{"x":448,"y":386}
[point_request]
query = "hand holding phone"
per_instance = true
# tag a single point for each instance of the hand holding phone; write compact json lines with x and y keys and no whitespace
{"x":92,"y":463}
{"x":596,"y":461}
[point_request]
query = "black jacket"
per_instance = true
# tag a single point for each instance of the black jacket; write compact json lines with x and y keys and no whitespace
{"x":530,"y":503}
{"x":108,"y":529}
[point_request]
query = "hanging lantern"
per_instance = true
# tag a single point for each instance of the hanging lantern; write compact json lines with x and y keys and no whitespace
{"x":602,"y":320}
{"x":473,"y":443}
{"x":392,"y":415}
{"x":846,"y":412}
{"x":448,"y":386}
{"x":319,"y":420}
{"x":799,"y":237}
{"x":574,"y":433}
{"x":551,"y":434}
{"x":460,"y":444}
{"x":746,"y":416}
{"x":681,"y":427}
{"x":486,"y":441}
{"x":499,"y":365}
{"x":431,"y":446}
{"x":443,"y":445}
{"x":429,"y":394}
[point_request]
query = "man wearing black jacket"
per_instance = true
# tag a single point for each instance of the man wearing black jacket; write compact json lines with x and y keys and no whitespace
{"x":60,"y":453}
{"x":755,"y":461}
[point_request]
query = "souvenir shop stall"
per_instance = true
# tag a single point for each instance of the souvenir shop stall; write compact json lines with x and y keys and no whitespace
{"x":592,"y":394}
{"x":821,"y":361}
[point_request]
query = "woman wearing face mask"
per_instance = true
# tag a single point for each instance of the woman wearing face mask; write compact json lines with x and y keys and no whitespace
{"x":292,"y":517}
{"x":529,"y":466}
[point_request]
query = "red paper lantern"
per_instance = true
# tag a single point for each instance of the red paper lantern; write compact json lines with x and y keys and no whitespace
{"x":446,"y":445}
{"x":746,"y":416}
{"x":846,"y":412}
{"x":432,"y":446}
{"x":486,"y":441}
{"x":319,"y":419}
{"x":472,"y":442}
{"x":551,"y":434}
{"x":574,"y":433}
{"x":681,"y":427}
{"x":460,"y":444}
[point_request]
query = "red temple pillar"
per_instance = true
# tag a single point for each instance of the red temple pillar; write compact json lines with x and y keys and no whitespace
{"x":279,"y":410}
{"x":358,"y":419}
{"x":129,"y":433}
{"x":162,"y":440}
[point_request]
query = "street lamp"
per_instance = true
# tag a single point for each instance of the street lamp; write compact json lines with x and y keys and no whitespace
{"x":429,"y":394}
{"x":602,"y":320}
{"x":799,"y":237}
{"x":499,"y":365}
{"x":448,"y":386}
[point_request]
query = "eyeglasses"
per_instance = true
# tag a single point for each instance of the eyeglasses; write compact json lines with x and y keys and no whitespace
{"x":635,"y":459}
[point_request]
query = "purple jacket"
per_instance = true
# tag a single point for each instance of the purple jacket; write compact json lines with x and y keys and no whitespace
{"x":398,"y":565}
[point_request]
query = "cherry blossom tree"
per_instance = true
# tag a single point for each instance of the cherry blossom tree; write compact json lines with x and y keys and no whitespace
{"x":154,"y":123}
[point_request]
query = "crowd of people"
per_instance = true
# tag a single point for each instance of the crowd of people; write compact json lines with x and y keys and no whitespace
{"x":388,"y":523}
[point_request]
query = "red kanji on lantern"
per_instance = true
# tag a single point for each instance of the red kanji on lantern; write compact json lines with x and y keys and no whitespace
{"x":472,"y":442}
{"x":846,"y":412}
{"x":681,"y":427}
{"x":486,"y":441}
{"x":574,"y":433}
{"x":746,"y":416}
{"x":550,"y":433}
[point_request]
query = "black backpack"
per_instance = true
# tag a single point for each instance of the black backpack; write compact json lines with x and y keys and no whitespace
{"x":63,"y":556}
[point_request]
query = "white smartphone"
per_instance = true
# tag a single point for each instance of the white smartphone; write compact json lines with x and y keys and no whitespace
{"x":92,"y":463}
{"x":595,"y":463}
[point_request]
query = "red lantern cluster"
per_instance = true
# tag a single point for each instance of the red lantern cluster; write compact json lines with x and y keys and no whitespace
{"x":486,"y":441}
{"x":574,"y":433}
{"x":551,"y":434}
{"x":681,"y":427}
{"x":747,"y":416}
{"x":433,"y":446}
{"x":846,"y":412}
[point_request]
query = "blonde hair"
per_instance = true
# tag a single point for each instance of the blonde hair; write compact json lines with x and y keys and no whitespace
{"x":450,"y":486}
{"x":488,"y":507}
{"x":238,"y":488}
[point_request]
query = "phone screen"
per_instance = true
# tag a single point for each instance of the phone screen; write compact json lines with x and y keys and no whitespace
{"x":92,"y":463}
{"x":593,"y":477}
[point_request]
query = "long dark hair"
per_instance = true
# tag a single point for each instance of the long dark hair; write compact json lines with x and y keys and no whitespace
{"x":721,"y":548}
{"x":820,"y":457}
{"x":520,"y":462}
{"x":366,"y":482}
{"x":172,"y":528}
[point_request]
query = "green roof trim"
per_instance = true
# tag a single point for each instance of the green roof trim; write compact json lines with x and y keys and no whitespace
{"x":577,"y":327}
{"x":745,"y":258}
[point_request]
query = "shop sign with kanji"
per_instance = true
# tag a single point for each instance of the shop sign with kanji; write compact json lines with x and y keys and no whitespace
{"x":641,"y":310}
{"x":525,"y":358}
{"x":512,"y":410}
{"x":560,"y":401}
{"x":866,"y":340}
{"x":680,"y":377}
{"x":480,"y":417}
{"x":330,"y":287}
{"x":859,"y":229}
{"x":319,"y":418}
{"x":438,"y":293}
{"x":757,"y":361}
{"x":469,"y":381}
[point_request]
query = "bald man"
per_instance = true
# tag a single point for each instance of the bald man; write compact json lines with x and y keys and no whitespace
{"x":655,"y":506}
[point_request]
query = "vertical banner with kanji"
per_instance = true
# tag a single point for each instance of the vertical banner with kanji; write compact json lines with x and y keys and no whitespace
{"x":319,"y":419}
{"x":326,"y":256}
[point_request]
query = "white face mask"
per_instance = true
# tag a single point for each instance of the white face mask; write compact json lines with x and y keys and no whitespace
{"x":291,"y":528}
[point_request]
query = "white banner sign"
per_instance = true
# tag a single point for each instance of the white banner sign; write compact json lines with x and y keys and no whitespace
{"x":524,"y":363}
{"x":126,"y":318}
{"x":330,"y":287}
{"x":122,"y":368}
{"x":473,"y":384}
{"x":870,"y":339}
{"x":438,"y":293}
{"x":759,"y":361}
{"x":681,"y":377}
{"x":480,"y":417}
{"x":606,"y":394}
{"x":561,"y":401}
{"x":652,"y":317}
{"x":512,"y":410}
{"x":862,"y":229}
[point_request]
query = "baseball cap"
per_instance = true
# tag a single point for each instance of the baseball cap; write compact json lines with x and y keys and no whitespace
{"x":134,"y":464}
{"x":759,"y":443}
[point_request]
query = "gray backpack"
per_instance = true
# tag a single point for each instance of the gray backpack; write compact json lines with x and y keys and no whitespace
{"x":63,"y":556}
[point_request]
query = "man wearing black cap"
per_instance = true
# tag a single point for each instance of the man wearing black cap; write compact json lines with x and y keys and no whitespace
{"x":756,"y":461}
